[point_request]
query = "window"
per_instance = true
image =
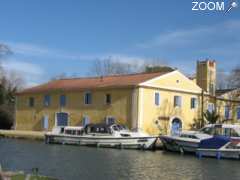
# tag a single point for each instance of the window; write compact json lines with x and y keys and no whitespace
{"x":212,"y":89}
{"x":110,"y":120}
{"x":157,"y":99}
{"x":31,"y":102}
{"x":238,"y":113}
{"x":108,"y":99}
{"x":227,"y":112}
{"x":47,"y":100}
{"x":211,"y":107}
{"x":85,"y":121}
{"x":88,"y":98}
{"x":177,"y":101}
{"x":193,"y":103}
{"x":62,"y":100}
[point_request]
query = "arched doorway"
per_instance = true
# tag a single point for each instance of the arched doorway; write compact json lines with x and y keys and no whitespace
{"x":176,"y":126}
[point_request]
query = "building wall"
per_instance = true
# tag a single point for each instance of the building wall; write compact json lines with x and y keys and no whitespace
{"x":157,"y":119}
{"x":30,"y":118}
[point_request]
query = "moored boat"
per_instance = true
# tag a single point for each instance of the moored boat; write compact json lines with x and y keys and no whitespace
{"x":188,"y":141}
{"x":219,"y":147}
{"x":101,"y":135}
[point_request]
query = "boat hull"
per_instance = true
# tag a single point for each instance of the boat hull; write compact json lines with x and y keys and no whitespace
{"x":98,"y":141}
{"x":176,"y":145}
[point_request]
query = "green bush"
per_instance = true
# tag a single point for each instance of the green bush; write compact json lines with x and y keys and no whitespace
{"x":6,"y":118}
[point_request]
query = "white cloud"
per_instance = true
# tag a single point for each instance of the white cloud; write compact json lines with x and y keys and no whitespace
{"x":226,"y":32}
{"x":31,"y":73}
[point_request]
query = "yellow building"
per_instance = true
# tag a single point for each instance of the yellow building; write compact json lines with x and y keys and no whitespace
{"x":154,"y":102}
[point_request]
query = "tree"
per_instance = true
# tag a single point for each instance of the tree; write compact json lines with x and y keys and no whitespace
{"x":222,"y":79}
{"x":10,"y":83}
{"x":211,"y":117}
{"x":234,"y":78}
{"x":111,"y":66}
{"x":4,"y":50}
{"x":158,"y":69}
{"x":116,"y":66}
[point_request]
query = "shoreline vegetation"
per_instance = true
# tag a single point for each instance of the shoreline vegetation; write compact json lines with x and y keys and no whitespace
{"x":18,"y":134}
{"x":20,"y":175}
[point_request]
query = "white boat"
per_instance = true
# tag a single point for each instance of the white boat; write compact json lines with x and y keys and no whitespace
{"x":188,"y":141}
{"x":101,"y":135}
{"x":219,"y":147}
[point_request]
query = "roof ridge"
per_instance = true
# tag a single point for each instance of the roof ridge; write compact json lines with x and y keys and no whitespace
{"x":114,"y":75}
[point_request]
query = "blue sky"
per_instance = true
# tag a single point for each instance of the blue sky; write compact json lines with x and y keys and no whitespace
{"x":65,"y":36}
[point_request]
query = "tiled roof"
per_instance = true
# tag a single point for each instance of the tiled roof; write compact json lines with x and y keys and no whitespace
{"x":75,"y":84}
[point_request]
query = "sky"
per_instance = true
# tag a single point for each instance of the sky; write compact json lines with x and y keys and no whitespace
{"x":49,"y":38}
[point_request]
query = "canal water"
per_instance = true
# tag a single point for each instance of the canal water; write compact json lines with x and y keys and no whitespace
{"x":87,"y":163}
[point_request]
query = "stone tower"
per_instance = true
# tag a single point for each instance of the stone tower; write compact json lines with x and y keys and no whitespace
{"x":206,"y":76}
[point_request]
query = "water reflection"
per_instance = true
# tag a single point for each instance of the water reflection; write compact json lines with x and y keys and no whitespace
{"x":74,"y":162}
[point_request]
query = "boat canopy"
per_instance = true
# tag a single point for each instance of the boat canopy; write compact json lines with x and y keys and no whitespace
{"x":215,"y":142}
{"x":98,"y":128}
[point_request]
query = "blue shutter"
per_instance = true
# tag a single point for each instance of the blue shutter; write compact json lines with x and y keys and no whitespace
{"x":47,"y":100}
{"x":177,"y":101}
{"x":88,"y":98}
{"x":238,"y":113}
{"x":62,"y":100}
{"x":157,"y":99}
{"x":193,"y":103}
{"x":227,"y":113}
{"x":85,"y":121}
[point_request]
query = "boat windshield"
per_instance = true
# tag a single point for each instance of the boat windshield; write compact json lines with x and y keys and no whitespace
{"x":117,"y":127}
{"x":188,"y":136}
{"x":229,"y":132}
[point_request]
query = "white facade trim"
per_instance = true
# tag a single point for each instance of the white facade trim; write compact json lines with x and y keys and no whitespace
{"x":140,"y":109}
{"x":148,"y":82}
{"x":135,"y":114}
{"x":174,"y":89}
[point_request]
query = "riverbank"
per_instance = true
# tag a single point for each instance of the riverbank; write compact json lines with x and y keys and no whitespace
{"x":9,"y":175}
{"x":34,"y":135}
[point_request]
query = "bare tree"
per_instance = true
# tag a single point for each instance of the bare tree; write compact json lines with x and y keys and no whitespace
{"x":4,"y":50}
{"x":222,"y":79}
{"x":113,"y":66}
{"x":110,"y":66}
{"x":234,"y":78}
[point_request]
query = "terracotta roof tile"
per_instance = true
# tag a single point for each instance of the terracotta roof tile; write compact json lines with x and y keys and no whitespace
{"x":93,"y":82}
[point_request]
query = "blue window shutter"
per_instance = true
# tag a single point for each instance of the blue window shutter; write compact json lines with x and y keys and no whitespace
{"x":157,"y":99}
{"x":86,"y":121}
{"x":88,"y":98}
{"x":62,"y":100}
{"x":47,"y":100}
{"x":180,"y":101}
{"x":238,"y":113}
{"x":177,"y":101}
{"x":227,"y":113}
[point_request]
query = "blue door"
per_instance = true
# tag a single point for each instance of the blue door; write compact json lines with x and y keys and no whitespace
{"x":45,"y":122}
{"x":62,"y":119}
{"x":176,"y":126}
